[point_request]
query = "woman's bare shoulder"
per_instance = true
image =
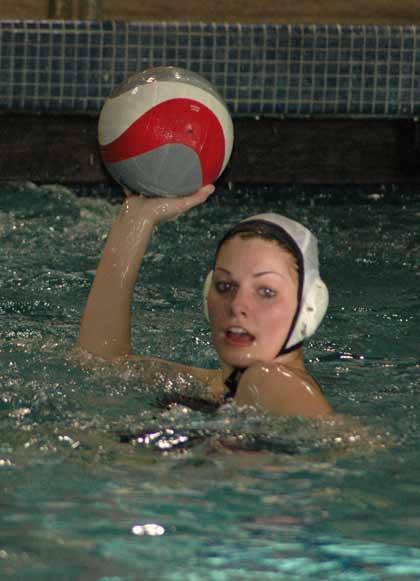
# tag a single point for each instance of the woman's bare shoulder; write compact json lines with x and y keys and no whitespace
{"x":282,"y":390}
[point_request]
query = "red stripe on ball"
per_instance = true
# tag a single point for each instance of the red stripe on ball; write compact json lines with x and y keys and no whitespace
{"x":183,"y":121}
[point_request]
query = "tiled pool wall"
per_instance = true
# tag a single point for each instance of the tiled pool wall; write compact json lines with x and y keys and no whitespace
{"x":261,"y":70}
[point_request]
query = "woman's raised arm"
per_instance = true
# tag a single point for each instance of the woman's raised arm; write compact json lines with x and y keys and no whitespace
{"x":105,"y":328}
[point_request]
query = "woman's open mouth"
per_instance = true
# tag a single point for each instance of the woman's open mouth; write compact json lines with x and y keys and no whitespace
{"x":238,"y":337}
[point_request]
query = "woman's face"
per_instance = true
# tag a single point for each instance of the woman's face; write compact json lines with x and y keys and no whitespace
{"x":252,"y":300}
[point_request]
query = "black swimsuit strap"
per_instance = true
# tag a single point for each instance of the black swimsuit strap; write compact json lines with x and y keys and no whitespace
{"x":234,"y":378}
{"x":232,"y":381}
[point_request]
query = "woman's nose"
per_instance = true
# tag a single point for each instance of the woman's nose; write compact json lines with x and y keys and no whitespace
{"x":239,"y":303}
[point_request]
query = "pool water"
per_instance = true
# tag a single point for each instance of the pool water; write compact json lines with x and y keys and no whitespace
{"x":102,"y":481}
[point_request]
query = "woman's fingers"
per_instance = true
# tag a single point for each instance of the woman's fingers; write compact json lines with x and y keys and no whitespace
{"x":167,"y":208}
{"x":128,"y":193}
{"x":163,"y":209}
{"x":196,"y":199}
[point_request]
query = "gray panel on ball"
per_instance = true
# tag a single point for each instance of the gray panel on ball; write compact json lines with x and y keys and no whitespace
{"x":169,"y":171}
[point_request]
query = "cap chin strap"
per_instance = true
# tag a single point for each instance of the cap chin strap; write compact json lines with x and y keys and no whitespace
{"x":285,"y":350}
{"x":309,"y":314}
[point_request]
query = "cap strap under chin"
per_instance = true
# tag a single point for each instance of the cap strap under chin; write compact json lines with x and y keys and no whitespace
{"x":284,"y":351}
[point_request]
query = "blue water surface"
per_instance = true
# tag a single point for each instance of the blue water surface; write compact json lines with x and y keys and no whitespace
{"x":223,"y":494}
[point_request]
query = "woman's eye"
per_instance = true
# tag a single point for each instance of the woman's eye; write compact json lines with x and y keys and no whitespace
{"x":223,"y":286}
{"x":267,"y":293}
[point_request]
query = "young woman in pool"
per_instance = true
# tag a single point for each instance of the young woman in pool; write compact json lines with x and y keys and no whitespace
{"x":263,"y":297}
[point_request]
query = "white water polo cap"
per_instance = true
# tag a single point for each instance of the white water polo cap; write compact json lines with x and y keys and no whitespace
{"x":312,"y":292}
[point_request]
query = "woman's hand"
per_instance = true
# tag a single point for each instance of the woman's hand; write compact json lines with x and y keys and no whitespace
{"x":162,"y":209}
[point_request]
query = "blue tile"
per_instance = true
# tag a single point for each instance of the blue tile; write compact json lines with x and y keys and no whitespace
{"x":408,"y":57}
{"x":312,"y":63}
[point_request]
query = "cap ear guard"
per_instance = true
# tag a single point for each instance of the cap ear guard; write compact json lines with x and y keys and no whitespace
{"x":206,"y":290}
{"x":311,"y":313}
